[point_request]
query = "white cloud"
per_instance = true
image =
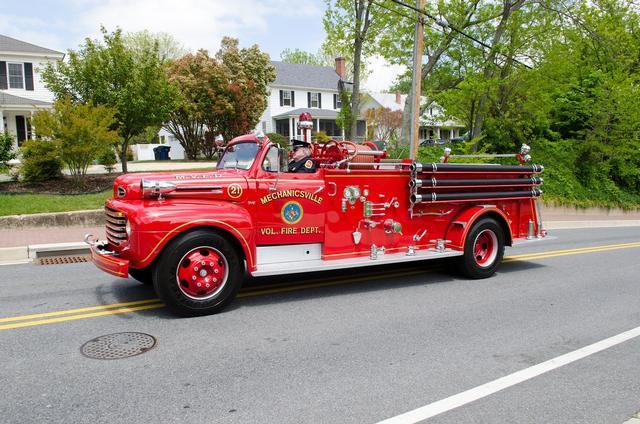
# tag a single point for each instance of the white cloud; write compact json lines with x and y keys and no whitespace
{"x":32,"y":30}
{"x":381,"y":74}
{"x":195,"y":23}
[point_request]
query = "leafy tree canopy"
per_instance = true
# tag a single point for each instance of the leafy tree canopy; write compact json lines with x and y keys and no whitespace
{"x":109,"y":72}
{"x":224,"y":94}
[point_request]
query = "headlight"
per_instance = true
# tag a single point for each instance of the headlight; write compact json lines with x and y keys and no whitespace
{"x":151,"y":188}
{"x":127,"y":228}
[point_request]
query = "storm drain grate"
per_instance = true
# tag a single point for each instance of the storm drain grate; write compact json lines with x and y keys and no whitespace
{"x":61,"y":260}
{"x":118,"y":345}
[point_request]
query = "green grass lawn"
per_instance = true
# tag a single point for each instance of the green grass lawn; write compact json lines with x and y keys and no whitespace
{"x":14,"y":204}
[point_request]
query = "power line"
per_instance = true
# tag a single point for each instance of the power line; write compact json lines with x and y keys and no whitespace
{"x":445,"y":24}
{"x":410,"y":18}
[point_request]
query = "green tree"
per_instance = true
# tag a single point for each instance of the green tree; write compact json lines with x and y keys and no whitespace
{"x":168,"y":47}
{"x":81,"y":133}
{"x":246,"y":92}
{"x":199,"y":81}
{"x":304,"y":58}
{"x":345,"y":117}
{"x":110,"y":73}
{"x":352,"y":29}
{"x":225,"y":94}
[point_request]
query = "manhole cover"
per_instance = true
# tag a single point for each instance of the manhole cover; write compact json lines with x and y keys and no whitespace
{"x":118,"y":345}
{"x":60,"y":260}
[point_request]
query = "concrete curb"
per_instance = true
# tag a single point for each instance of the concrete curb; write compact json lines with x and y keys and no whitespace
{"x":26,"y":254}
{"x":86,"y":218}
{"x":14,"y":255}
{"x":57,"y":249}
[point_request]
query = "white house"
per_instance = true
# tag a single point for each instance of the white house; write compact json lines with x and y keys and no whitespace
{"x":315,"y":89}
{"x":22,"y":92}
{"x":302,"y":88}
{"x":433,"y":123}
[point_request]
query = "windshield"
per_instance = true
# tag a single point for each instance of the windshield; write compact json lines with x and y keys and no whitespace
{"x":239,"y":156}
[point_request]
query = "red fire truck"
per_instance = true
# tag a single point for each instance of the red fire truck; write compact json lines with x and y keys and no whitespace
{"x":193,"y":234}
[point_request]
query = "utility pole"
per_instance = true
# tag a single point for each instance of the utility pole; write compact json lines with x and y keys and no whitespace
{"x":414,"y":133}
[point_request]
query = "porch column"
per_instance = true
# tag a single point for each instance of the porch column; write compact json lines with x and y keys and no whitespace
{"x":291,"y":134}
{"x":33,"y":129}
{"x":317,"y":125}
{"x":437,"y":132}
{"x":1,"y":121}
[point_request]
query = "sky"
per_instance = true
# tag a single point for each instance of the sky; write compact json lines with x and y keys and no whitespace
{"x":272,"y":24}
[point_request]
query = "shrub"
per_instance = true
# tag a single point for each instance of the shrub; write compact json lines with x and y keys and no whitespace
{"x":40,"y":161}
{"x":321,"y":137}
{"x":6,"y":147}
{"x":280,"y":140}
{"x":82,"y":132}
{"x":108,"y":160}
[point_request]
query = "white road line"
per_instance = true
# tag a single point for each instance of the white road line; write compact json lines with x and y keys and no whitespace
{"x":507,"y":381}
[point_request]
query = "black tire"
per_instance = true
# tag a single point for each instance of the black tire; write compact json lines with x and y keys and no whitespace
{"x":483,"y":249}
{"x":180,"y":296}
{"x":144,"y":275}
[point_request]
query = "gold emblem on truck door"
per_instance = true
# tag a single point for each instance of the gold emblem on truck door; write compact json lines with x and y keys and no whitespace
{"x":234,"y":191}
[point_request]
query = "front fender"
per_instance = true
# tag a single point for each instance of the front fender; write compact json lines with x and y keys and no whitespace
{"x":459,"y":226}
{"x":156,"y":223}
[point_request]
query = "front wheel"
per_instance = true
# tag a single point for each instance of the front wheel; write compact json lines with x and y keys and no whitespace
{"x":483,"y":249}
{"x":199,"y":273}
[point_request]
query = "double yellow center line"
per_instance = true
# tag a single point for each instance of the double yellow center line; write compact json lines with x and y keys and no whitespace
{"x":79,"y":313}
{"x":567,"y":252}
{"x":146,"y":304}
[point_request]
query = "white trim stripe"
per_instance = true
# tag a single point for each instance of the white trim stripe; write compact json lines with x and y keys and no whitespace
{"x":505,"y":382}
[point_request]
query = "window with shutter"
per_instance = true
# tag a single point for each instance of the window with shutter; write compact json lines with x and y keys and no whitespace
{"x":281,"y":97}
{"x":293,"y":98}
{"x":286,"y":98}
{"x":320,"y":100}
{"x":16,"y":75}
{"x":314,"y":100}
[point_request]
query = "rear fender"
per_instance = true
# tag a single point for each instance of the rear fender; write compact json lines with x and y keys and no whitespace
{"x":161,"y":225}
{"x":462,"y":223}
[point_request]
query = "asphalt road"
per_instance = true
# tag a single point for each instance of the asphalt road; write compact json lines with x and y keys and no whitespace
{"x":342,"y":347}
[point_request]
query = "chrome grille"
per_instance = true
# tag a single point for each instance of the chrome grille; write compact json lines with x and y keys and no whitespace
{"x":116,"y":224}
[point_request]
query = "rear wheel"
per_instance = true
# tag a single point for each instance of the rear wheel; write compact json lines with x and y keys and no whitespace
{"x":483,"y":249}
{"x":199,"y":273}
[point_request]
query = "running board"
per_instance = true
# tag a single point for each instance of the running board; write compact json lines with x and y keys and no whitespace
{"x":324,"y":265}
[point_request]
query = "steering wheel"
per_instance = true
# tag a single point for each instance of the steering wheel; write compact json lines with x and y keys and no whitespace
{"x":340,"y":144}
